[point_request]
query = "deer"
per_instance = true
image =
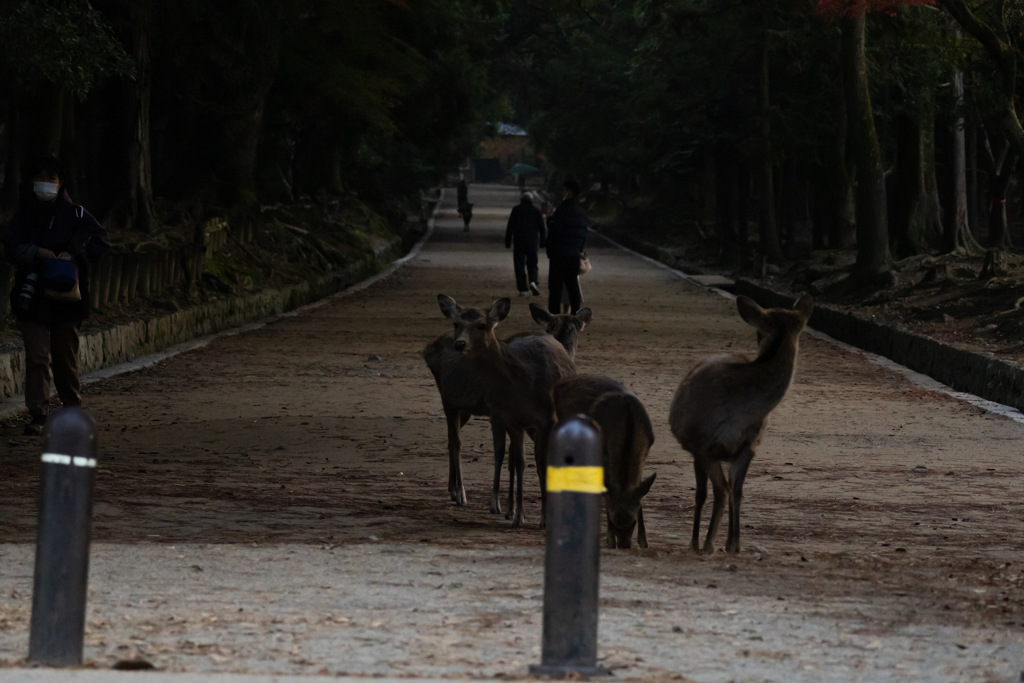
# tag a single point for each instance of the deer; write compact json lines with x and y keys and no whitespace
{"x":517,"y":377}
{"x":720,"y":410}
{"x":462,"y":393}
{"x":627,"y":437}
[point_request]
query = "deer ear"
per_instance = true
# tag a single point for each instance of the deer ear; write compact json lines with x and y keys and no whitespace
{"x":540,"y":316}
{"x":499,"y":309}
{"x":805,"y":306}
{"x":448,"y":306}
{"x":751,"y":313}
{"x":584,"y":316}
{"x":637,"y":494}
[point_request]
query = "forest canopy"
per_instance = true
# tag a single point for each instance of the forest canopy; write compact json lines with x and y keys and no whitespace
{"x":889,"y":126}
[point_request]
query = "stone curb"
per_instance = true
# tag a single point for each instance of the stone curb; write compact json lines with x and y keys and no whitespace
{"x":961,"y":368}
{"x":121,"y":344}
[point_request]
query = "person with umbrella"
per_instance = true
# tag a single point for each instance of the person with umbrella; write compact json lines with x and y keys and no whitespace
{"x":526,"y":231}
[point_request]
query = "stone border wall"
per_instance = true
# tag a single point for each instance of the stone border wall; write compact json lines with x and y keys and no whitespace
{"x":121,"y":343}
{"x":955,"y":365}
{"x":963,"y":369}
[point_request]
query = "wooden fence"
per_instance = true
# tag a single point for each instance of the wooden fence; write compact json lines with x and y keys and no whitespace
{"x":144,"y":270}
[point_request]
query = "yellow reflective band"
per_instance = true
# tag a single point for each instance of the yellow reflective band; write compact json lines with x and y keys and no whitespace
{"x":576,"y":479}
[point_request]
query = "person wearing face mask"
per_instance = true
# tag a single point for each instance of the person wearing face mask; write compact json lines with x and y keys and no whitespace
{"x":48,"y":228}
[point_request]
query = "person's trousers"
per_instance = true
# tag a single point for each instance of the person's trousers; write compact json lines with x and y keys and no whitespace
{"x":525,"y":265}
{"x":49,"y":346}
{"x":564,"y":272}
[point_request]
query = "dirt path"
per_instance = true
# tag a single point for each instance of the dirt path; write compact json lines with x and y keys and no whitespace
{"x":276,"y":502}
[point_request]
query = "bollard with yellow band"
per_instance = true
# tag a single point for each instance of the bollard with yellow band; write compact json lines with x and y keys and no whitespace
{"x":57,"y":628}
{"x":575,"y":482}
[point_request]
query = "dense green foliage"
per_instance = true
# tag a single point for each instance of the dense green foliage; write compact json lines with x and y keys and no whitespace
{"x":226,"y":105}
{"x":694,"y":107}
{"x":819,"y":122}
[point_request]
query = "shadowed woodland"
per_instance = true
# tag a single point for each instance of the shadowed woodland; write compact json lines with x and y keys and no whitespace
{"x":756,"y":132}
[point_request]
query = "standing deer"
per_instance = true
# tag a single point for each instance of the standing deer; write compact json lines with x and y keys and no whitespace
{"x":627,"y":437}
{"x":518,"y":377}
{"x":462,"y":394}
{"x":721,"y":407}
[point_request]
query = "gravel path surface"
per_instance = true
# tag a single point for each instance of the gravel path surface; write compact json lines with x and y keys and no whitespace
{"x":276,"y":503}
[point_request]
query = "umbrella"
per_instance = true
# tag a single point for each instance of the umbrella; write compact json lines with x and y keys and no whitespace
{"x":523,"y":169}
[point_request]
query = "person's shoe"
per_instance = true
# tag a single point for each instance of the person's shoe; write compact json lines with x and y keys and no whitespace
{"x":522,"y":293}
{"x":36,"y":427}
{"x":534,"y":289}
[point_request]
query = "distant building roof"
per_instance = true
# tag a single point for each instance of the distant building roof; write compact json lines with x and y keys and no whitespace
{"x":510,"y":129}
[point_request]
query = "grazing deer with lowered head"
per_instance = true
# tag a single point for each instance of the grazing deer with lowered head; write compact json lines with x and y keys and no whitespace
{"x":626,"y":437}
{"x":721,"y":407}
{"x":462,"y":393}
{"x":518,"y":377}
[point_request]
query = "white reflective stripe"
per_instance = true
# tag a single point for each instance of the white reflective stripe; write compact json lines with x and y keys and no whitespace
{"x":59,"y":459}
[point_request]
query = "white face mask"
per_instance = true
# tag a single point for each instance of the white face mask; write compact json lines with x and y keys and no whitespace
{"x":45,"y":191}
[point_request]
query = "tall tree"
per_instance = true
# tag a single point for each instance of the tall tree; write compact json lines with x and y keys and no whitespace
{"x":873,"y":257}
{"x":996,"y":39}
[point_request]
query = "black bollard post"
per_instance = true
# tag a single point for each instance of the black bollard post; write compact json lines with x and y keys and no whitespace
{"x":575,"y":482}
{"x":62,"y":540}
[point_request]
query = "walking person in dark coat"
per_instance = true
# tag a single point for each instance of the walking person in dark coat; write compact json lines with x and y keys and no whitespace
{"x":465,"y":208}
{"x":47,"y":226}
{"x":567,"y":236}
{"x":526,"y":231}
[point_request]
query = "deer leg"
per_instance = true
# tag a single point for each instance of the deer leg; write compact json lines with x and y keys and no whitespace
{"x":540,"y":458}
{"x":611,"y":536}
{"x":737,"y":473}
{"x":721,"y":497}
{"x":513,"y":475}
{"x":518,"y":458}
{"x":641,"y":532}
{"x":498,"y":434}
{"x":455,"y":421}
{"x":701,"y":474}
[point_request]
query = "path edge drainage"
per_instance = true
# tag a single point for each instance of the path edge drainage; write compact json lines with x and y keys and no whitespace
{"x":963,"y":369}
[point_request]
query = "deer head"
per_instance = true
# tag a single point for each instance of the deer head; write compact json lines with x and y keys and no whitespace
{"x":563,"y":327}
{"x":622,"y":511}
{"x":775,"y":322}
{"x":474,"y":329}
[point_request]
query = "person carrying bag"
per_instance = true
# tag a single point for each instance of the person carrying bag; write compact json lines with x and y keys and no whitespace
{"x":567,"y":235}
{"x":52,"y":243}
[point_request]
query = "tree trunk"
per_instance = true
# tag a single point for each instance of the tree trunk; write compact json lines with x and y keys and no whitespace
{"x":957,"y":237}
{"x":873,"y":259}
{"x":972,"y":177}
{"x":742,"y":210}
{"x":44,"y":122}
{"x":12,"y":168}
{"x":933,"y":217}
{"x":1000,"y":171}
{"x":725,"y":202}
{"x":833,"y":201}
{"x":135,"y":209}
{"x":909,"y":211}
{"x":769,"y":236}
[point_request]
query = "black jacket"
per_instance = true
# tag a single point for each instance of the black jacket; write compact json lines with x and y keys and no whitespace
{"x":567,"y":230}
{"x":524,"y":226}
{"x":58,"y":226}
